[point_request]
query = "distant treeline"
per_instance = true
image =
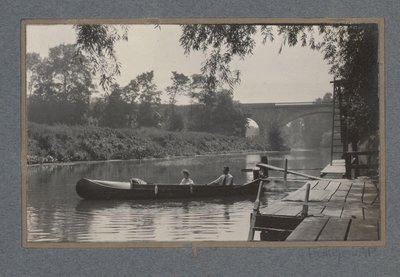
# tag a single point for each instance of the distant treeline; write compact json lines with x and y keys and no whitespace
{"x":62,"y":143}
{"x":61,"y":88}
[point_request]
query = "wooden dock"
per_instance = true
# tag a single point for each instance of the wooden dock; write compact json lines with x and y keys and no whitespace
{"x":338,"y":210}
{"x":335,"y":170}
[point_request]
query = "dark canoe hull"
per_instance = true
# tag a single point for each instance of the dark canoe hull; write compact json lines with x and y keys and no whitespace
{"x":94,"y":189}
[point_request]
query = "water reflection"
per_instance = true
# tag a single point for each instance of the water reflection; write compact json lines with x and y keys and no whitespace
{"x":56,"y":213}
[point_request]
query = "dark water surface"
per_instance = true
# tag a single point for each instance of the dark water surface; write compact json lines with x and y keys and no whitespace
{"x":56,"y":213}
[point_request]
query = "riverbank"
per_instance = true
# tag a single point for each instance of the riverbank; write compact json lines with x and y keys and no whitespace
{"x":61,"y":143}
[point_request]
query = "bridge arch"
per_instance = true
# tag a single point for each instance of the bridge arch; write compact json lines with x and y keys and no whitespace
{"x":253,"y":128}
{"x":266,"y":114}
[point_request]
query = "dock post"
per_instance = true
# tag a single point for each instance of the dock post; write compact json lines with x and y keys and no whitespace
{"x":264,"y":160}
{"x":256,"y":211}
{"x":286,"y":169}
{"x":305,"y":206}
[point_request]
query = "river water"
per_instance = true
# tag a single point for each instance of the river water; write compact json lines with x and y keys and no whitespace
{"x":56,"y":213}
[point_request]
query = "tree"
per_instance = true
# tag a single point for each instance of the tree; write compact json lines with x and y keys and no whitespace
{"x":116,"y":111}
{"x":61,"y":86}
{"x":33,"y":60}
{"x":351,"y":50}
{"x":179,"y":86}
{"x":215,"y":111}
{"x":227,"y":116}
{"x":150,"y":100}
{"x":309,"y":131}
{"x":97,"y":43}
{"x":274,"y":136}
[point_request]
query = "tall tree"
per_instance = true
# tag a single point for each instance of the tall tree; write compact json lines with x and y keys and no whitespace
{"x":116,"y":112}
{"x":180,"y":85}
{"x":215,"y":111}
{"x":61,"y":86}
{"x":149,"y":97}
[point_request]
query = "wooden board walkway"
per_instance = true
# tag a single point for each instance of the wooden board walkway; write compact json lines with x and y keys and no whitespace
{"x":338,"y":209}
{"x":336,"y":169}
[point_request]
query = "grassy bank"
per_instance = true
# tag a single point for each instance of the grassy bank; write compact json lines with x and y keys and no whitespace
{"x":61,"y":143}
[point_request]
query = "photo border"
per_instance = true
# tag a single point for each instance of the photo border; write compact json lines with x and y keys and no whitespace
{"x":205,"y":244}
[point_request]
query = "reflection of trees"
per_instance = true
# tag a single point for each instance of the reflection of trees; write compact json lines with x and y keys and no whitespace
{"x":117,"y":220}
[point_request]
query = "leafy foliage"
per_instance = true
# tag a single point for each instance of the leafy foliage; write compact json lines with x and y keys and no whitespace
{"x":60,"y":86}
{"x":217,"y":112}
{"x":180,"y":85}
{"x":97,"y":42}
{"x":351,"y":50}
{"x":274,"y":136}
{"x":311,"y":131}
{"x":62,"y":143}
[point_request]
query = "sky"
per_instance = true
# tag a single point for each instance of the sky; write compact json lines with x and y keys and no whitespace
{"x":297,"y":74}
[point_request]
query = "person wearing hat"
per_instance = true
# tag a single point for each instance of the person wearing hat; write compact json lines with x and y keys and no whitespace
{"x":226,"y":179}
{"x":186,"y":180}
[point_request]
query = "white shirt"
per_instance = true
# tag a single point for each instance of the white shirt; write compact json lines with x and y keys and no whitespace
{"x":220,"y":180}
{"x":187,"y":181}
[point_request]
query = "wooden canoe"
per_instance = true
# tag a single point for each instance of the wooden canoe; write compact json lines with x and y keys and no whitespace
{"x":96,"y":189}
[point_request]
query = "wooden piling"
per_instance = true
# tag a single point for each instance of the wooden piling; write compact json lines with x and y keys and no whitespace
{"x":256,"y":211}
{"x":306,"y":199}
{"x":286,"y":169}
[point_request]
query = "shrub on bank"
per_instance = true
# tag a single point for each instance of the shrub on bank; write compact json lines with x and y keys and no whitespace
{"x":62,"y":143}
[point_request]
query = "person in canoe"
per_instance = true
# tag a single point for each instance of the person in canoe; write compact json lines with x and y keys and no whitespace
{"x":186,"y":180}
{"x":226,"y":179}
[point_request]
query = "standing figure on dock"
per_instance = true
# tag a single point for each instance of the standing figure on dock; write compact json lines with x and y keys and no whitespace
{"x":186,"y":180}
{"x":226,"y":179}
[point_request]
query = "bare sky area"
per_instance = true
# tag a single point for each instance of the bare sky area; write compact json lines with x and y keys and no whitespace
{"x":297,"y":74}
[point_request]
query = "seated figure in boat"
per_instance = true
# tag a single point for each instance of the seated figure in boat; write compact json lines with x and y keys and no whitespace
{"x":186,"y":180}
{"x":226,"y":179}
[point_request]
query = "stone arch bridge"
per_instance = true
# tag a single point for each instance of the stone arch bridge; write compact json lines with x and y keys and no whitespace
{"x":264,"y":114}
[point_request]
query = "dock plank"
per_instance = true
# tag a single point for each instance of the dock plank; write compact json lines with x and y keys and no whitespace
{"x":308,"y":229}
{"x":335,"y":230}
{"x":312,"y":184}
{"x":352,"y":212}
{"x":290,"y":210}
{"x":319,"y":195}
{"x":322,"y":184}
{"x":354,"y":197}
{"x":315,"y":196}
{"x":332,"y":211}
{"x":345,"y":185}
{"x":371,"y":213}
{"x":315,"y":210}
{"x":337,"y":167}
{"x":369,"y":186}
{"x":298,"y":195}
{"x":333,"y":186}
{"x":368,"y":198}
{"x":363,"y":230}
{"x":339,"y":196}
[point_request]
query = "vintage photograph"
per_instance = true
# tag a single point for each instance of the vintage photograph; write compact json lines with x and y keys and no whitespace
{"x":202,"y":131}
